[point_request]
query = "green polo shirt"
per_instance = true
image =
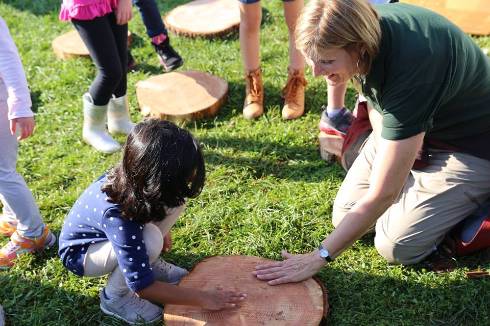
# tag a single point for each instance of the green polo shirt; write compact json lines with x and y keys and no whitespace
{"x":429,"y":76}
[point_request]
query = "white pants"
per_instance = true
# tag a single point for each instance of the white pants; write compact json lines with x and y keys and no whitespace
{"x":100,"y":258}
{"x":17,"y":200}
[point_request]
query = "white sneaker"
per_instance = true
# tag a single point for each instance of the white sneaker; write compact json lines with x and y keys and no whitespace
{"x":168,"y":273}
{"x":130,"y":308}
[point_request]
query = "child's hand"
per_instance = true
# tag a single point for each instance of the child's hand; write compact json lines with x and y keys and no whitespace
{"x":124,"y":12}
{"x":25,"y":125}
{"x":167,"y":242}
{"x":220,"y":299}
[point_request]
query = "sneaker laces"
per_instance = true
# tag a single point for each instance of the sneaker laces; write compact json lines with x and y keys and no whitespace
{"x":289,"y":92}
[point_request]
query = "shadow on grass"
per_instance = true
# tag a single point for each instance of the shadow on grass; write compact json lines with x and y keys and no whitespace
{"x":363,"y":299}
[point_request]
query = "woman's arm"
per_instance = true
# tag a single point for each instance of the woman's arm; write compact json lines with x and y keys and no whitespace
{"x":392,"y":165}
{"x":165,"y":293}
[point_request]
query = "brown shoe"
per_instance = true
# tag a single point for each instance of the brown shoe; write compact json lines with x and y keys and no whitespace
{"x":294,"y":95}
{"x":253,"y":106}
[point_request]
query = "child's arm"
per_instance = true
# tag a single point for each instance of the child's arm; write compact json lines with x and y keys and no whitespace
{"x":165,"y":293}
{"x":14,"y":80}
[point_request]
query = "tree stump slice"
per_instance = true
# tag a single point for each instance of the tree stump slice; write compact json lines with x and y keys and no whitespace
{"x":70,"y":45}
{"x":472,"y":16}
{"x":181,"y":96}
{"x":204,"y":18}
{"x":304,"y":303}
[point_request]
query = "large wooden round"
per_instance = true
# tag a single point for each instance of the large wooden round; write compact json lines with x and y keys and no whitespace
{"x":183,"y":95}
{"x":303,"y":303}
{"x":472,"y":16}
{"x":205,"y":18}
{"x":70,"y":45}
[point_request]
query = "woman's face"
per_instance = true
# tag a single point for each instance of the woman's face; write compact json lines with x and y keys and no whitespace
{"x":336,"y":64}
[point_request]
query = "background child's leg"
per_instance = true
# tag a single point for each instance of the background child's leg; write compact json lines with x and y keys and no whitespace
{"x":155,"y":28}
{"x":15,"y":196}
{"x":151,"y":17}
{"x":292,"y":10}
{"x":250,"y":18}
{"x":120,"y":33}
{"x":98,"y":35}
{"x":294,"y":91}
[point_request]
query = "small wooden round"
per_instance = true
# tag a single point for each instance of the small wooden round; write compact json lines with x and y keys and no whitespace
{"x":183,"y":95}
{"x":304,"y":303}
{"x":472,"y":16}
{"x":70,"y":45}
{"x":204,"y":18}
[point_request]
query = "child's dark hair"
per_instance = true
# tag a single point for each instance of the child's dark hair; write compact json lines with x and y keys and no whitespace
{"x":162,"y":165}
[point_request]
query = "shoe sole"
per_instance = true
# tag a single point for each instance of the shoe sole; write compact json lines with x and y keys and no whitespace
{"x":113,"y":314}
{"x":330,"y":131}
{"x":171,"y":68}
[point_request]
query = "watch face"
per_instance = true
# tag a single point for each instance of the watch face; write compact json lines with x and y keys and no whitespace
{"x":324,"y":253}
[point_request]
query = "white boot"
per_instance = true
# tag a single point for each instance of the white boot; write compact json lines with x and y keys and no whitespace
{"x":118,"y":120}
{"x":94,"y":132}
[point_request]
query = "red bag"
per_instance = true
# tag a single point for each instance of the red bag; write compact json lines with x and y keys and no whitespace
{"x":356,"y":136}
{"x":473,"y":233}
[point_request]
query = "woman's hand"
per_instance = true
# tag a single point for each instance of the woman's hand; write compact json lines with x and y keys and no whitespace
{"x":220,"y":299}
{"x":294,"y":268}
{"x":26,"y":126}
{"x":124,"y":12}
{"x":167,"y":242}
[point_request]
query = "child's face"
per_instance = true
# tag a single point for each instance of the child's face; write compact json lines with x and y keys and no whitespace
{"x":336,"y":64}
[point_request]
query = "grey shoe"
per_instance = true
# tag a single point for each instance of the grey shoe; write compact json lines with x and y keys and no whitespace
{"x":130,"y":308}
{"x":168,"y":273}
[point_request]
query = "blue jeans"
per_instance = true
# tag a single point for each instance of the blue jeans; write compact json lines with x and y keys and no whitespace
{"x":151,"y":17}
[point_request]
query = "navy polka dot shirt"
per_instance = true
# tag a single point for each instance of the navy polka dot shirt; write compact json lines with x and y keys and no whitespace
{"x":94,"y":219}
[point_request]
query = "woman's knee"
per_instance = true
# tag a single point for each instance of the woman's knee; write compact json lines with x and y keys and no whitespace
{"x":400,"y":253}
{"x":153,"y":241}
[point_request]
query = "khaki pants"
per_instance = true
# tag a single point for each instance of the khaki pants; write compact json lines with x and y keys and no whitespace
{"x":432,"y":201}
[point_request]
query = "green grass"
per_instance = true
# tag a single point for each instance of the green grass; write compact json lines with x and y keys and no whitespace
{"x":267,"y":187}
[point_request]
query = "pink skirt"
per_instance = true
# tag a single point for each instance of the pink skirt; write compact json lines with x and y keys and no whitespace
{"x":86,"y":9}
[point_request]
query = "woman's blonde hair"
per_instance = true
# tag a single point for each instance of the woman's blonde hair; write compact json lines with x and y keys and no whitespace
{"x":346,"y":24}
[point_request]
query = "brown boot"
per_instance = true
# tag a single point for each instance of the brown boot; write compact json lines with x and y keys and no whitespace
{"x":254,"y":95}
{"x":294,"y":95}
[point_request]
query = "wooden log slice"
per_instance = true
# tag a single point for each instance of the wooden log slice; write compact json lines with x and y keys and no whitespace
{"x":303,"y":303}
{"x":204,"y":18}
{"x":472,"y":16}
{"x":183,"y":95}
{"x":70,"y":45}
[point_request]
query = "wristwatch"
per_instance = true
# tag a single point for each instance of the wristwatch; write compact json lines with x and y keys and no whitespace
{"x":324,"y":253}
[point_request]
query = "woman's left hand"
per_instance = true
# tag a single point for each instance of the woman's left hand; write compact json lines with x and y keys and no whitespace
{"x":167,"y":242}
{"x":294,"y":268}
{"x":124,"y":12}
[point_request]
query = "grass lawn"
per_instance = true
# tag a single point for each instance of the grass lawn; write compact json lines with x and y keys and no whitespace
{"x":266,"y":189}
